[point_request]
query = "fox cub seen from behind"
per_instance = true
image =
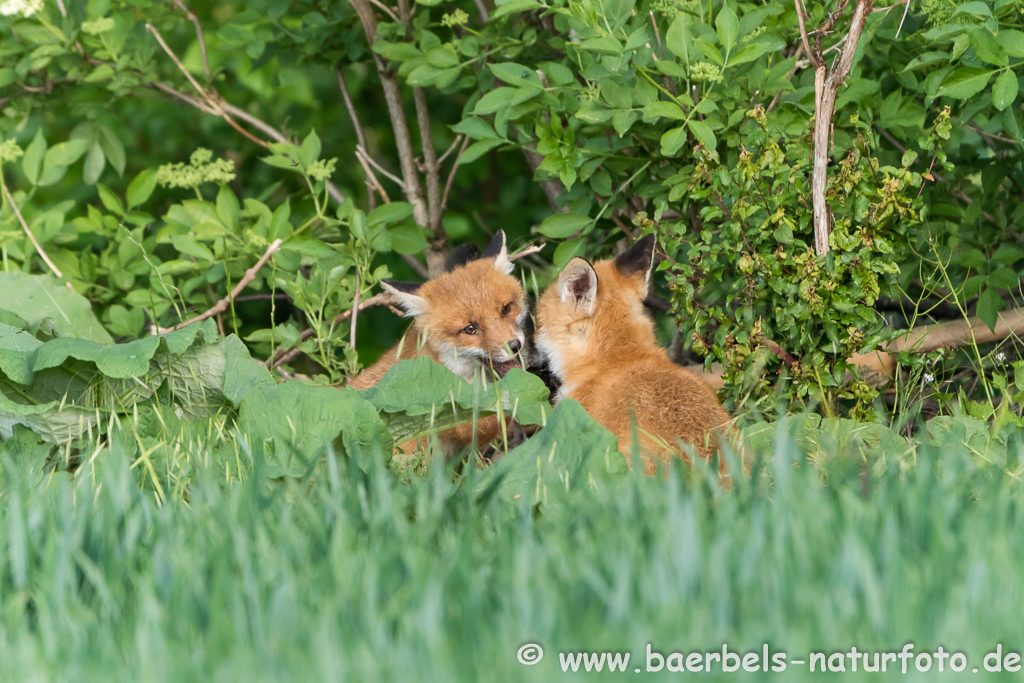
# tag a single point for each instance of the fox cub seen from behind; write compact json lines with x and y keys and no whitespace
{"x":592,"y":328}
{"x":470,"y":319}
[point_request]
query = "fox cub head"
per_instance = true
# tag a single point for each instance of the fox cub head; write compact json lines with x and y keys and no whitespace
{"x":594,"y":309}
{"x":472,"y":315}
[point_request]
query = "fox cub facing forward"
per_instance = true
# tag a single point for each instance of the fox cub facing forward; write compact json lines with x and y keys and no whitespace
{"x":469,"y":319}
{"x":600,"y":343}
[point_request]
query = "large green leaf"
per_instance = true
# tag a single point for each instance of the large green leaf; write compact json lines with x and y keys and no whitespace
{"x":572,"y":453}
{"x":562,"y":225}
{"x":38,"y":297}
{"x":964,"y":82}
{"x":727,"y":27}
{"x":1004,"y":91}
{"x":419,"y":397}
{"x":67,"y":386}
{"x":295,"y":418}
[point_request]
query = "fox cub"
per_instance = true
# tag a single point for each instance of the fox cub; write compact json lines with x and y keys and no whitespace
{"x":592,"y":328}
{"x":470,"y":319}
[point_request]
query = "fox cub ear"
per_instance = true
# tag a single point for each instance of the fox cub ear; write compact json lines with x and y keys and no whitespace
{"x":460,"y":256}
{"x":638,"y":258}
{"x":405,"y":292}
{"x":497,"y":250}
{"x":578,"y":285}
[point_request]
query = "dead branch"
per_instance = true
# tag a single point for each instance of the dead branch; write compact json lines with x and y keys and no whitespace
{"x":284,"y":355}
{"x":223,"y":304}
{"x":880,"y":366}
{"x":39,"y":248}
{"x":523,"y":253}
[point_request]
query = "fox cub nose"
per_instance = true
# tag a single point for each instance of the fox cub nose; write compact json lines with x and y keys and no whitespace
{"x":514,"y":345}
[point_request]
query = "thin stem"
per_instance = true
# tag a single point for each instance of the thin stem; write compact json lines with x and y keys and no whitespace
{"x":199,"y":34}
{"x":31,"y":237}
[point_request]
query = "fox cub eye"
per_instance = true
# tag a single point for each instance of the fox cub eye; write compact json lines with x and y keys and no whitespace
{"x":471,"y":328}
{"x":506,"y":308}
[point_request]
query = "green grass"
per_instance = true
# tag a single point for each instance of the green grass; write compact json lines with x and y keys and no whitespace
{"x":348,"y":574}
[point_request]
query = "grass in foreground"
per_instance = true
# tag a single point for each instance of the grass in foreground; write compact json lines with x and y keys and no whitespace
{"x":347,"y":574}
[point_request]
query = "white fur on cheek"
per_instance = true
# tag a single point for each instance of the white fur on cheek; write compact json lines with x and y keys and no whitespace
{"x":463,"y":361}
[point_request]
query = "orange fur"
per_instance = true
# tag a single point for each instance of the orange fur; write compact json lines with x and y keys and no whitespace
{"x":601,"y":344}
{"x":471,"y":294}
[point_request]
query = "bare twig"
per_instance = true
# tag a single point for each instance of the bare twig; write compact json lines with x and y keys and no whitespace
{"x":284,"y":355}
{"x":350,"y":107}
{"x":372,"y":181}
{"x":383,"y":171}
{"x":214,"y":104}
{"x":815,"y":59}
{"x":889,"y":7}
{"x":223,"y":304}
{"x":792,"y":72}
{"x":482,"y":9}
{"x":451,"y":148}
{"x":360,"y":134}
{"x":451,"y":176}
{"x":199,"y":34}
{"x":905,"y":10}
{"x":32,"y":238}
{"x":387,"y":10}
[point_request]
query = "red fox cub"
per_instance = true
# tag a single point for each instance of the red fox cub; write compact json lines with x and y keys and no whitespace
{"x":469,"y":319}
{"x":592,"y":328}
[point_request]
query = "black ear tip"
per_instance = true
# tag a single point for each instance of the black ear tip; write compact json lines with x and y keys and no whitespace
{"x":496,"y":245}
{"x":639,"y":257}
{"x":404,"y":287}
{"x":461,"y":255}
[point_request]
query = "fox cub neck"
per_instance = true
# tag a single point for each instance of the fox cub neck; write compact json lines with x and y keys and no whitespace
{"x":596,"y":312}
{"x":469,"y":318}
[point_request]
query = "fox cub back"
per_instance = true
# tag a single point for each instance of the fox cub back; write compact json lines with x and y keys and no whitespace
{"x":470,"y":319}
{"x":592,"y":328}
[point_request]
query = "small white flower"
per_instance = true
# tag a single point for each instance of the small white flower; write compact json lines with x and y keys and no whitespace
{"x":24,"y":7}
{"x":1000,"y":357}
{"x":929,"y":378}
